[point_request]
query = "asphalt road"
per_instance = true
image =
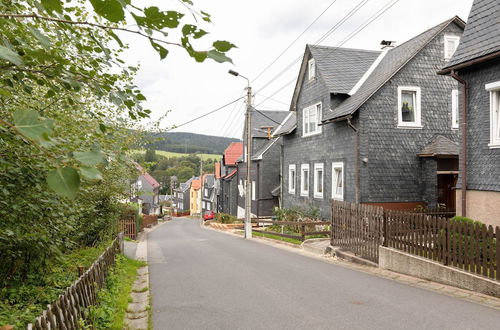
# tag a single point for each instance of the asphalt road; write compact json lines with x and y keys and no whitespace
{"x":203,"y":279}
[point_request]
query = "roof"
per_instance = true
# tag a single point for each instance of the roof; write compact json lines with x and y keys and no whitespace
{"x":196,"y":184}
{"x":217,"y":170}
{"x":185,"y":185}
{"x":342,"y":68}
{"x":266,"y":118}
{"x":259,"y":153}
{"x":481,"y":36}
{"x":440,"y":146}
{"x":208,"y":180}
{"x":232,"y":153}
{"x":288,"y":125}
{"x":394,"y":60}
{"x":149,"y":179}
{"x":233,"y":172}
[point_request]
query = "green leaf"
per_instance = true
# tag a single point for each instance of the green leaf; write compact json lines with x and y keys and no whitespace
{"x":42,"y":38}
{"x":102,"y":127}
{"x":223,"y":46}
{"x":218,"y":56}
{"x":111,"y":10}
{"x":11,"y":56}
{"x":90,"y":173}
{"x":64,"y":181}
{"x":160,"y":49}
{"x":28,"y":123}
{"x":193,"y":30}
{"x":141,"y":97}
{"x":117,"y":39}
{"x":89,"y":158}
{"x":53,"y":5}
{"x":159,"y":19}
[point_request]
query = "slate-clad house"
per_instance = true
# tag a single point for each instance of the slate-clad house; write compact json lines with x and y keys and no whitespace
{"x":476,"y":64}
{"x":209,"y":194}
{"x":182,"y":198}
{"x":228,"y":195}
{"x":149,"y":192}
{"x":375,"y":127}
{"x":265,"y":160}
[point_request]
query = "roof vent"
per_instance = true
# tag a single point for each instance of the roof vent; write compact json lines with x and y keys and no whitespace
{"x":387,"y":44}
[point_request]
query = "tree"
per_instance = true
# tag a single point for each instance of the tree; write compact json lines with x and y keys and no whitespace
{"x":150,"y":155}
{"x":59,"y":50}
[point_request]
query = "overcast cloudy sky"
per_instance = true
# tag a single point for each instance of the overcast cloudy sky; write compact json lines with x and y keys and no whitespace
{"x":262,"y":29}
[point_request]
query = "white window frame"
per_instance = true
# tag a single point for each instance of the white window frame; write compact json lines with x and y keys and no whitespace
{"x":454,"y":109}
{"x":303,"y":192}
{"x":334,"y":181}
{"x":317,"y":109}
{"x":446,"y":50}
{"x":418,"y":110}
{"x":292,"y":183}
{"x":494,"y":89}
{"x":311,"y":69}
{"x":317,"y":167}
{"x":205,"y":192}
{"x":253,"y":191}
{"x":204,"y":205}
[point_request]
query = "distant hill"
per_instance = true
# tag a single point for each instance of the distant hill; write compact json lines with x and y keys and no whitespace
{"x":189,"y":143}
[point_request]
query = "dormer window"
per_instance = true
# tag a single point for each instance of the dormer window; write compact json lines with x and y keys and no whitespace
{"x":450,"y":46}
{"x":312,"y":69}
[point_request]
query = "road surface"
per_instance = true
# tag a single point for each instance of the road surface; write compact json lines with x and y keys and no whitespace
{"x":203,"y":279}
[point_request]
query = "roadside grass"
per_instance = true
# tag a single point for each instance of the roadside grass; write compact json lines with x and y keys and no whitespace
{"x":114,"y":297}
{"x":170,"y":154}
{"x":275,"y":237}
{"x":25,"y":299}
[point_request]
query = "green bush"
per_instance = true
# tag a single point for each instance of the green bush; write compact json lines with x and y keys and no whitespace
{"x":226,"y":218}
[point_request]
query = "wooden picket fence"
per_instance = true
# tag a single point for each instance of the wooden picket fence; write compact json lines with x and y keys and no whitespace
{"x":472,"y":247}
{"x":66,"y":312}
{"x":360,"y":228}
{"x":149,"y":220}
{"x":129,"y":228}
{"x":357,"y":228}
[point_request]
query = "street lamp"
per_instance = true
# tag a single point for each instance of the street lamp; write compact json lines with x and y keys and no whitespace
{"x":248,"y":193}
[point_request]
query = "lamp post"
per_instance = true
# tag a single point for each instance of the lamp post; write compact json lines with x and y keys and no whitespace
{"x":248,"y":190}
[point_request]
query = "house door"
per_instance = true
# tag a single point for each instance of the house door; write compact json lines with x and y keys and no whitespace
{"x":446,"y":190}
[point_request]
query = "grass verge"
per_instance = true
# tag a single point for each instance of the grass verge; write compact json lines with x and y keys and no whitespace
{"x":275,"y":237}
{"x":24,"y":300}
{"x":114,"y":298}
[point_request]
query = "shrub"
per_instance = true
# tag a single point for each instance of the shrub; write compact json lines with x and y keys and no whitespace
{"x":226,"y":218}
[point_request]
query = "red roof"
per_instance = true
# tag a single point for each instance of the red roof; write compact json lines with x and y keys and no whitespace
{"x":196,"y":184}
{"x":231,"y":174}
{"x":152,"y":181}
{"x":217,"y":170}
{"x":233,"y":152}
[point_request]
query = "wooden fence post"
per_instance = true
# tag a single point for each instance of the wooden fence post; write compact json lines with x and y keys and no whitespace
{"x":497,"y":234}
{"x":446,"y":248}
{"x":384,"y":229}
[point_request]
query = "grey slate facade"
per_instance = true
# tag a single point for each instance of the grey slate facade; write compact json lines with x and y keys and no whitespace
{"x":182,"y":196}
{"x":477,"y":62}
{"x":209,"y":193}
{"x":265,"y":162}
{"x":391,"y":173}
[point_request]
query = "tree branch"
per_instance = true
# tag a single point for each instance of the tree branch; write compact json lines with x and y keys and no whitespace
{"x":100,"y":26}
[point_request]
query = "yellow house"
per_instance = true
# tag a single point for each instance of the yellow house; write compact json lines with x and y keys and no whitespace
{"x":195,"y":200}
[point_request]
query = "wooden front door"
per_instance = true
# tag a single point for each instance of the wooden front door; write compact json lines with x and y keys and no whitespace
{"x":446,"y":190}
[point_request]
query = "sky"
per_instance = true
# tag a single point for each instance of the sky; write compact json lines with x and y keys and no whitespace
{"x":262,"y":29}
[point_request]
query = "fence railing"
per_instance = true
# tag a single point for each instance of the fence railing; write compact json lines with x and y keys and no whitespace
{"x":149,"y":221}
{"x":472,"y":247}
{"x":71,"y":306}
{"x":360,"y":228}
{"x":129,"y":228}
{"x":302,"y":228}
{"x":357,"y":228}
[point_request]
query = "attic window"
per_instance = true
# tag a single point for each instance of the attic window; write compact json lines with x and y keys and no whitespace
{"x":312,"y":69}
{"x":450,"y":46}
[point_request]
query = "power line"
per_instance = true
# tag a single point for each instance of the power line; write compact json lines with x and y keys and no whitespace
{"x":356,"y":8}
{"x":277,"y":91}
{"x":204,"y":115}
{"x":263,"y":114}
{"x":360,"y":28}
{"x":294,"y":41}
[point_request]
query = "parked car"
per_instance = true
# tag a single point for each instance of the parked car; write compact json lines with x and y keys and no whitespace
{"x":208,"y":215}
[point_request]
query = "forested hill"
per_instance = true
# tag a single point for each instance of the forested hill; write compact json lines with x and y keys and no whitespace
{"x":190,"y":143}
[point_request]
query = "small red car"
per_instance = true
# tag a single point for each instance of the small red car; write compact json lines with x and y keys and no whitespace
{"x":209,"y":215}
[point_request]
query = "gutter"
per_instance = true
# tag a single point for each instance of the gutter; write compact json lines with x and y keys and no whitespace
{"x":463,"y":137}
{"x":463,"y":65}
{"x":357,"y":165}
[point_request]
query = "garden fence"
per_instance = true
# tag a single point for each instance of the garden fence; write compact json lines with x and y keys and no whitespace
{"x":302,"y":228}
{"x":66,"y":312}
{"x":360,"y":228}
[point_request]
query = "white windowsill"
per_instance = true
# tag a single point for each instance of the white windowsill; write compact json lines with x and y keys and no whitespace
{"x":318,"y":196}
{"x":338,"y":198}
{"x":304,"y":193}
{"x":313,"y":134}
{"x":410,"y":126}
{"x":494,"y":145}
{"x":291,"y":192}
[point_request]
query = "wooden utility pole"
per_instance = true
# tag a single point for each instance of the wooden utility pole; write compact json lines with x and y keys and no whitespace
{"x":201,"y":186}
{"x":248,"y":194}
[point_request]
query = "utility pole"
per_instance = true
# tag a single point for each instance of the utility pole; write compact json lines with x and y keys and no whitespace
{"x":201,"y":187}
{"x":248,"y":153}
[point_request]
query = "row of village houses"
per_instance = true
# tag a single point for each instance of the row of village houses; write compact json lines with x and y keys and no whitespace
{"x":407,"y":126}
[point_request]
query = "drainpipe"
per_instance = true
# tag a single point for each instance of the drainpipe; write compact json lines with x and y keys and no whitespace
{"x":463,"y":137}
{"x":357,"y":184}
